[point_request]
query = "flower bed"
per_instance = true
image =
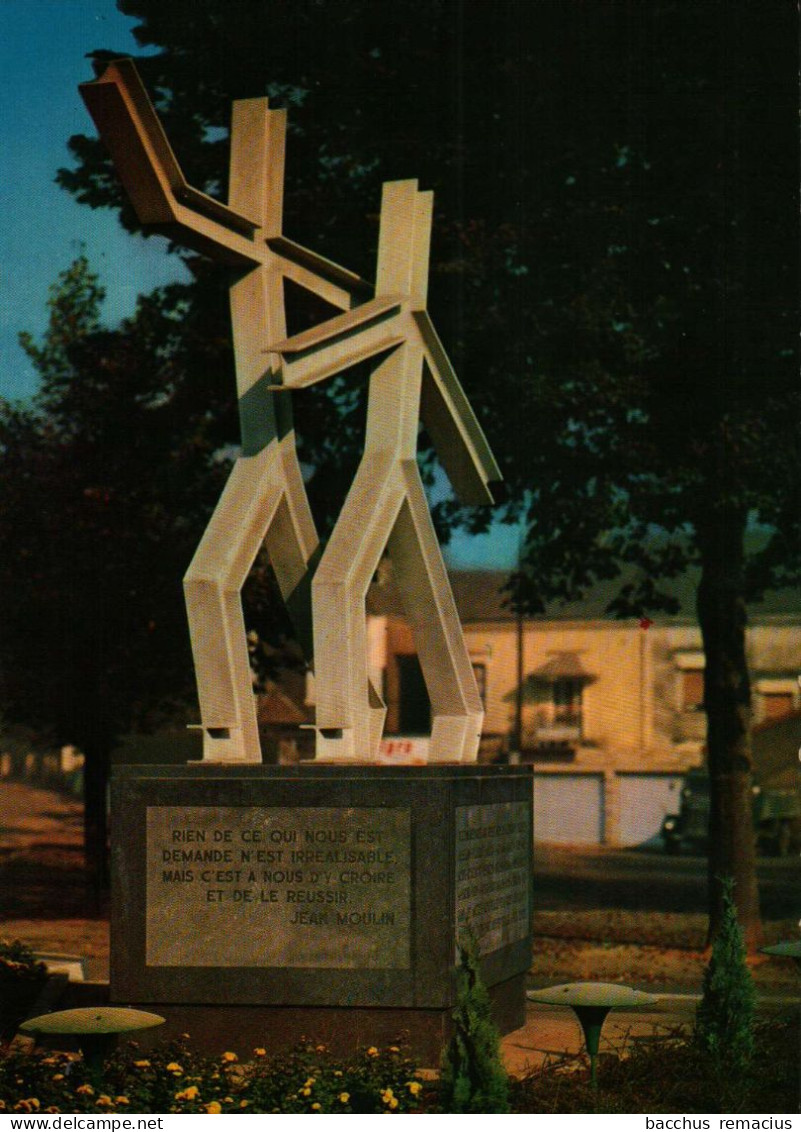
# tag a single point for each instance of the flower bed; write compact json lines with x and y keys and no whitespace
{"x":173,"y":1078}
{"x":667,"y":1074}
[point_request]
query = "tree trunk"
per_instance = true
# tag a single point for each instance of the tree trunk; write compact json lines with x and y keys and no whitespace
{"x":727,"y":701}
{"x":95,"y":822}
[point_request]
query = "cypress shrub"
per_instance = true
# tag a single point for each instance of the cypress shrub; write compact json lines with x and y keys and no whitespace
{"x":473,"y":1075}
{"x":724,"y":1022}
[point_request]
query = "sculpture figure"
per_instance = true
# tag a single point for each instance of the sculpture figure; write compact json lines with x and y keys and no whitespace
{"x":265,"y":500}
{"x":386,"y":506}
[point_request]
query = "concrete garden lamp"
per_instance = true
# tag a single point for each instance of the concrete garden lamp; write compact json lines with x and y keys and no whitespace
{"x":785,"y":949}
{"x":591,"y":1002}
{"x":97,"y":1029}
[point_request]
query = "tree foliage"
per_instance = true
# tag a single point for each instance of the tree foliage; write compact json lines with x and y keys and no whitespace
{"x":108,"y":482}
{"x":99,"y":511}
{"x":614,"y":188}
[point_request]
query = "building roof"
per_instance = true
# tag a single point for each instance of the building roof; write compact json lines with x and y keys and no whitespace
{"x":561,"y":666}
{"x":481,"y":596}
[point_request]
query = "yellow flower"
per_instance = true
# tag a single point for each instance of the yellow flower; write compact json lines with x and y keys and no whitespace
{"x":309,"y":1082}
{"x":57,"y":1077}
{"x":260,"y":1052}
{"x":52,"y":1108}
{"x":244,"y":1104}
{"x":372,"y":1052}
{"x":394,"y":1049}
{"x":389,"y":1098}
{"x":337,"y":1072}
{"x":144,"y":1064}
{"x":174,"y":1067}
{"x":344,"y":1098}
{"x":85,"y":1091}
{"x":228,"y":1100}
{"x":305,"y":1092}
{"x":228,"y":1056}
{"x":319,"y":1049}
{"x":214,"y":1106}
{"x":315,"y":1107}
{"x":121,"y":1100}
{"x":105,"y":1100}
{"x":189,"y":1094}
{"x":414,"y":1087}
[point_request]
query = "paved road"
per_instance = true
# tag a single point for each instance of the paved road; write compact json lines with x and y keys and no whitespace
{"x":584,"y":878}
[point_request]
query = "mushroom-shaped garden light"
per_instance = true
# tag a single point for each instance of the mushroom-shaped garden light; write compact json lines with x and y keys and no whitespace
{"x":96,"y":1028}
{"x":785,"y":949}
{"x":591,"y":1002}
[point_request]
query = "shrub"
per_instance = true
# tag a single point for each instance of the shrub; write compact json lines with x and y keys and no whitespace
{"x":668,"y":1073}
{"x":473,"y":1075}
{"x":173,"y":1078}
{"x":19,"y":964}
{"x":312,"y":1080}
{"x":724,"y":1024}
{"x":21,"y":978}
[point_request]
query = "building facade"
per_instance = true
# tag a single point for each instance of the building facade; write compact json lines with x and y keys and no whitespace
{"x":609,"y":712}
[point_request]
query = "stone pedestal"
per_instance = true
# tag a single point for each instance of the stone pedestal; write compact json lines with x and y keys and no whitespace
{"x":256,"y":904}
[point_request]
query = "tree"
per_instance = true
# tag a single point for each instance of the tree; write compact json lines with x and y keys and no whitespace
{"x":108,"y":480}
{"x":677,"y":434}
{"x":615,"y":187}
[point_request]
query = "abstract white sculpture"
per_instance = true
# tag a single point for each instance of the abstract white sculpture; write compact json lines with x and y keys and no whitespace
{"x":265,"y":500}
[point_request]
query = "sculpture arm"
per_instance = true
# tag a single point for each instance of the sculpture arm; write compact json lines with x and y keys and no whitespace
{"x":340,"y":342}
{"x":452,"y":424}
{"x":130,"y":128}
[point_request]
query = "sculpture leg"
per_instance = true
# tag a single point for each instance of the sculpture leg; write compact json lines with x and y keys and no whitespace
{"x":350,"y":713}
{"x":253,"y":504}
{"x":457,"y":714}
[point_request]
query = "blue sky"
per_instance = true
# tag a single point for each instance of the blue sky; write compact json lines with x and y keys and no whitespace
{"x":43,"y":48}
{"x":43,"y":44}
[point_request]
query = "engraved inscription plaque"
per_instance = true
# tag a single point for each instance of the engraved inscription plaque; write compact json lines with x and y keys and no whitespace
{"x":493,"y":880}
{"x":261,"y":886}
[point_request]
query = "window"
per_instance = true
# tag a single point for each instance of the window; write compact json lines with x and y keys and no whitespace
{"x":567,"y":701}
{"x":480,"y":673}
{"x":692,"y":689}
{"x":777,"y":705}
